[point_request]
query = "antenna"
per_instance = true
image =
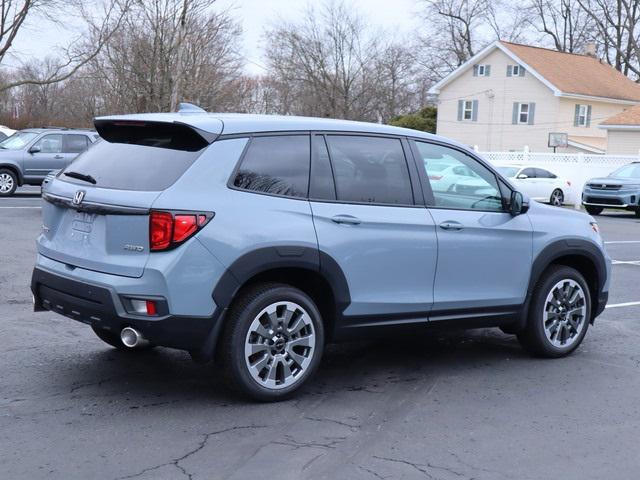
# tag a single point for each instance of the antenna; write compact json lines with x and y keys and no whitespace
{"x":189,"y":108}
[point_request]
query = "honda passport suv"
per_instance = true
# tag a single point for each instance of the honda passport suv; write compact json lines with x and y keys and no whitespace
{"x":256,"y":240}
{"x":620,"y":190}
{"x":27,"y":156}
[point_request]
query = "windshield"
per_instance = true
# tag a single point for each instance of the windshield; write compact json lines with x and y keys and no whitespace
{"x":18,"y":140}
{"x":509,"y":172}
{"x":628,"y":171}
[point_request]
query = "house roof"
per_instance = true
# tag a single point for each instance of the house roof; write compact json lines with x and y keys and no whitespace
{"x":566,"y":74}
{"x":627,"y":118}
{"x":589,"y":144}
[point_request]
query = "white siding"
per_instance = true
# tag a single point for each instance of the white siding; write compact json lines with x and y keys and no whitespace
{"x":623,"y":142}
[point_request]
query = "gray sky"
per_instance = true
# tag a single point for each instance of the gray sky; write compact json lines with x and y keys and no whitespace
{"x":41,"y":37}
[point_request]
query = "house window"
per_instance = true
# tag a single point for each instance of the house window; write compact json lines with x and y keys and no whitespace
{"x":482,"y":70}
{"x":523,"y":113}
{"x":582,"y":115}
{"x":468,"y":110}
{"x":515,"y":71}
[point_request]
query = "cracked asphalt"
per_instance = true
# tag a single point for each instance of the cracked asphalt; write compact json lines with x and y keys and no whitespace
{"x":465,"y":405}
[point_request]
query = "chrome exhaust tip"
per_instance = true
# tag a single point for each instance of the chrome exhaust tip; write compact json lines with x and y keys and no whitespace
{"x":131,"y":338}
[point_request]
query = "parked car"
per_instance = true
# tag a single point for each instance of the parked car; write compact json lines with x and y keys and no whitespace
{"x":620,"y":190}
{"x":255,"y":240}
{"x":538,"y":183}
{"x":29,"y":155}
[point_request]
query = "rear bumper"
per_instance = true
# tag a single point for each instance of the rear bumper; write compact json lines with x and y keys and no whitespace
{"x":101,"y":307}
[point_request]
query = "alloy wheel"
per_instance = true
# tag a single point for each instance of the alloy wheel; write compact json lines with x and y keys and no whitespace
{"x":280,"y":345}
{"x":565,"y":312}
{"x":557,"y":198}
{"x":6,"y":183}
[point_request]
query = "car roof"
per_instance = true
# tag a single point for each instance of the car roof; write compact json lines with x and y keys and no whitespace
{"x":240,"y":123}
{"x":59,"y":130}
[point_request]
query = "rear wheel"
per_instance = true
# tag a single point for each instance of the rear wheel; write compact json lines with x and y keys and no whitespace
{"x":593,"y":210}
{"x":638,"y":213}
{"x":8,"y":182}
{"x":273,"y":341}
{"x":557,"y":198}
{"x":559,"y":313}
{"x":114,"y":340}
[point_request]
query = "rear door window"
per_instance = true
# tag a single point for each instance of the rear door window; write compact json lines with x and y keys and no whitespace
{"x":370,"y":170}
{"x":529,"y":172}
{"x":74,"y":143}
{"x":278,"y":165}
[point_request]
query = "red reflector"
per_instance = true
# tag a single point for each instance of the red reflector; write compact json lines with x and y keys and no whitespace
{"x":435,"y":177}
{"x":160,"y":230}
{"x":184,"y":227}
{"x":151,"y":308}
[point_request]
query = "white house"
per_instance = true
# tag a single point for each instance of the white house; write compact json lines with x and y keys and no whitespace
{"x":509,"y":96}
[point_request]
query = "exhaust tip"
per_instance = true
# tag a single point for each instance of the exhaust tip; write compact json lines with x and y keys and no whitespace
{"x":131,"y":338}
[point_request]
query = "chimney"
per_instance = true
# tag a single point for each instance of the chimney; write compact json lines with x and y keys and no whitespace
{"x":589,"y":49}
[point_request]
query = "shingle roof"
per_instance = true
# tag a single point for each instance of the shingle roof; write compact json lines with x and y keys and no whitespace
{"x":577,"y":74}
{"x":630,"y":117}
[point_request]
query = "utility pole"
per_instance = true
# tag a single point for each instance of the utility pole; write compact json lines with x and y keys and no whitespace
{"x":178,"y":73}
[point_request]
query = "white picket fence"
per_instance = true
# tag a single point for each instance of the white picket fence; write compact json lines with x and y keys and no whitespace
{"x":575,"y":167}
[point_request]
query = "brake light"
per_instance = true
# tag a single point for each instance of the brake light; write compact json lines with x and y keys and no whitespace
{"x":170,"y":229}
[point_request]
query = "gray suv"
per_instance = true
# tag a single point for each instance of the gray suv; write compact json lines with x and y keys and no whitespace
{"x":27,"y":156}
{"x":255,"y":240}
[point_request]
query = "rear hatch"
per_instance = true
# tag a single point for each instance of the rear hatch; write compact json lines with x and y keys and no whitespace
{"x":96,"y":212}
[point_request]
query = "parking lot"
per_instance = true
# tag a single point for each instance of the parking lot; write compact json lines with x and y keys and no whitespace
{"x":457,"y":406}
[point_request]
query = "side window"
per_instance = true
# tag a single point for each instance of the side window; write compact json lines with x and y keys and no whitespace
{"x":50,"y":144}
{"x":322,"y":186}
{"x":541,"y":173}
{"x":529,"y":172}
{"x":477,"y":191}
{"x":75,"y":143}
{"x":370,"y":170}
{"x":278,"y":165}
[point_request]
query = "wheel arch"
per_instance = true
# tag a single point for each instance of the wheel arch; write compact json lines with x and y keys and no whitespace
{"x":15,"y":169}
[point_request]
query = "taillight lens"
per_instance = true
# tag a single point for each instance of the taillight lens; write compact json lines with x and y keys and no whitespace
{"x":169,"y":229}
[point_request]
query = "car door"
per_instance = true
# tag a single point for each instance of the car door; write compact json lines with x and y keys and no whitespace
{"x":44,"y":155}
{"x":368,"y":221}
{"x":547,"y":183}
{"x":531,"y":184}
{"x":73,"y":144}
{"x":484,"y":253}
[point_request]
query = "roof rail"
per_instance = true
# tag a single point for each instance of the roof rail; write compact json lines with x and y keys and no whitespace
{"x":190,"y":108}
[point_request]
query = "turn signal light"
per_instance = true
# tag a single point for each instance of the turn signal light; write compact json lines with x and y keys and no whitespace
{"x":169,"y":229}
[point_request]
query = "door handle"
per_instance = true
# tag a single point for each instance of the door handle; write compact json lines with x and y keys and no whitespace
{"x":449,"y":225}
{"x":346,"y":219}
{"x":58,"y":157}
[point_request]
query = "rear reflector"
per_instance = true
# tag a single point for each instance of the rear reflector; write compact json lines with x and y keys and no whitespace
{"x":169,"y":229}
{"x":144,"y":307}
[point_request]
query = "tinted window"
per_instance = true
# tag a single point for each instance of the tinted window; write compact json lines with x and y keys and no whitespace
{"x":478,"y":189}
{"x":370,"y":170}
{"x":130,"y":167}
{"x":75,"y":143}
{"x":277,"y":165}
{"x":529,"y":172}
{"x":50,"y":144}
{"x":541,"y":173}
{"x":322,"y":186}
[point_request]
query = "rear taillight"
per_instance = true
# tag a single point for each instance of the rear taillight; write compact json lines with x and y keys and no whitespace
{"x":170,"y":229}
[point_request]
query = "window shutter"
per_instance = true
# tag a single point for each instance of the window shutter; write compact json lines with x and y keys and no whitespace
{"x":460,"y":107}
{"x":487,"y":70}
{"x":589,"y":116}
{"x":576,"y":116}
{"x":475,"y":70}
{"x":521,"y":71}
{"x":474,"y":113}
{"x":514,"y":118}
{"x":532,"y":112}
{"x":509,"y":70}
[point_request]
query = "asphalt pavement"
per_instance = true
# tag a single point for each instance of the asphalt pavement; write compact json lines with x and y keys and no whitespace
{"x":461,"y":405}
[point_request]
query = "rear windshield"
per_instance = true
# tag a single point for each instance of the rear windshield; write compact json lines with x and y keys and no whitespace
{"x":129,"y":167}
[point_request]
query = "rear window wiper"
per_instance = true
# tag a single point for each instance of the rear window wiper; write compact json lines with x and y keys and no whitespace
{"x":81,"y":176}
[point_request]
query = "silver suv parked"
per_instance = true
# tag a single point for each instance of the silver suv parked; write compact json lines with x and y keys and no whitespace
{"x":255,"y":240}
{"x":27,"y":156}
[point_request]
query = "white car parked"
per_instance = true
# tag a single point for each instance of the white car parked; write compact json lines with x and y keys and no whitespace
{"x":5,"y":132}
{"x":539,"y":184}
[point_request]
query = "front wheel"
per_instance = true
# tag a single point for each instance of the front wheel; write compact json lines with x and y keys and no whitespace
{"x":593,"y":210}
{"x":8,"y":182}
{"x":557,"y":198}
{"x":559,"y":313}
{"x":273,"y":341}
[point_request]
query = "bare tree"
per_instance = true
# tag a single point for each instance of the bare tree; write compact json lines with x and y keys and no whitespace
{"x":565,"y":22}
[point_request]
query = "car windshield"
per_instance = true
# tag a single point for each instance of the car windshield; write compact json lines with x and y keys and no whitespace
{"x":18,"y":140}
{"x":628,"y":171}
{"x":509,"y":172}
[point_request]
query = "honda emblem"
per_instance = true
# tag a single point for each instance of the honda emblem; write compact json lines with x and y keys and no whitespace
{"x":78,"y":197}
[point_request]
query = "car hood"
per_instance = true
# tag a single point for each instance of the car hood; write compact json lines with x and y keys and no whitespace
{"x":614,"y":181}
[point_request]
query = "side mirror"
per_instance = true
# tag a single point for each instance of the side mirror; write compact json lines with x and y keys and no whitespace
{"x":517,"y":205}
{"x":35,"y":149}
{"x":522,"y":176}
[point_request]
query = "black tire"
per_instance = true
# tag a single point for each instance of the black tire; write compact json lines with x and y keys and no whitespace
{"x":242,"y":314}
{"x":557,"y":198}
{"x":533,"y":337}
{"x":638,"y":213}
{"x":113,"y":339}
{"x":593,"y":210}
{"x":8,"y":182}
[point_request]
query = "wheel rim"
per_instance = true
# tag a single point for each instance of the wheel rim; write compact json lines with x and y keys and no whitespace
{"x":565,"y":313}
{"x":6,"y":183}
{"x":557,"y":198}
{"x":280,"y":345}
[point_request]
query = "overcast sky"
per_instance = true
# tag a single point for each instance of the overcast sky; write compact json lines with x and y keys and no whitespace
{"x":398,"y":16}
